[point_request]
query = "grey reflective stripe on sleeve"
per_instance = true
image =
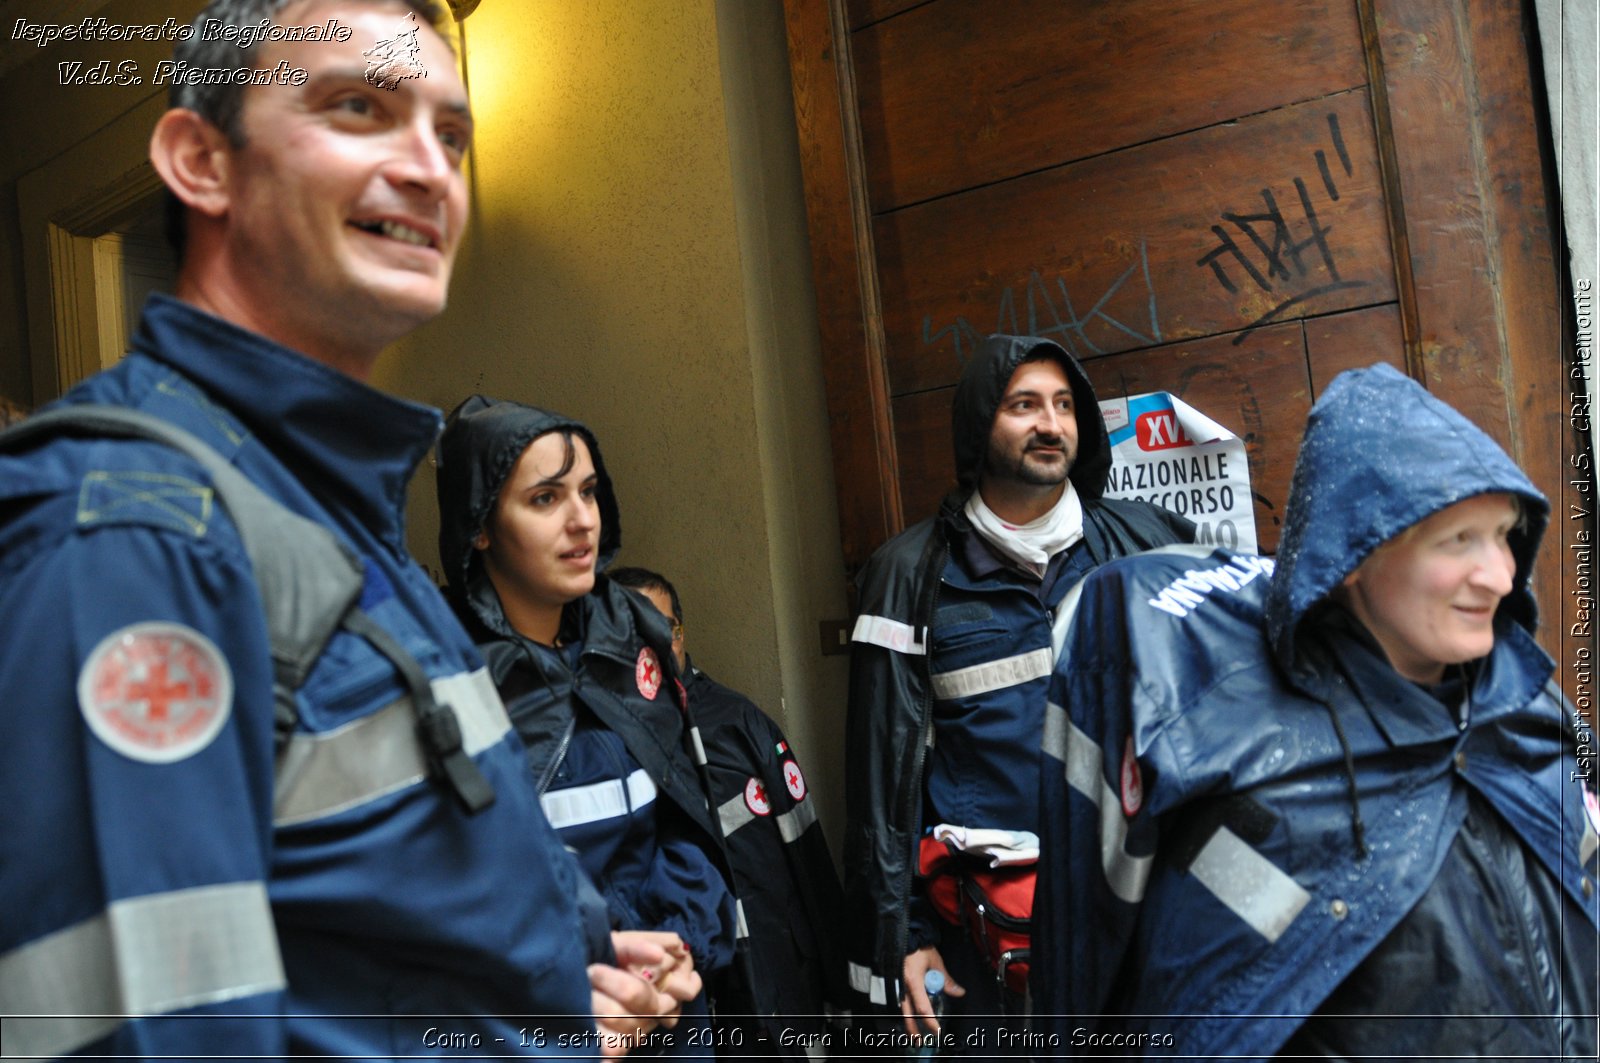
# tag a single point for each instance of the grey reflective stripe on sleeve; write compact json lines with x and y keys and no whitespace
{"x":577,"y":805}
{"x":1125,"y":873}
{"x":993,"y":675}
{"x":797,"y":820}
{"x":733,"y":814}
{"x":321,"y":774}
{"x":890,"y":634}
{"x":699,"y":748}
{"x":148,"y":955}
{"x":862,"y":980}
{"x":1249,"y":884}
{"x":741,"y":929}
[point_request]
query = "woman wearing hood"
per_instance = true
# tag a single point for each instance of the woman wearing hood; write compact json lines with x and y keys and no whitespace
{"x":1336,"y":811}
{"x":529,"y":521}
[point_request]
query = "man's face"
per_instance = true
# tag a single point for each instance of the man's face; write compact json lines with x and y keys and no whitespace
{"x":347,"y":200}
{"x":1429,"y":596}
{"x":1035,"y":433}
{"x":663,"y":603}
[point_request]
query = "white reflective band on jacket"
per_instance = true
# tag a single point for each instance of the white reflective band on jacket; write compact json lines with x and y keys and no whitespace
{"x":149,"y":955}
{"x":993,"y":675}
{"x":578,"y":805}
{"x":1125,"y":873}
{"x":862,"y":980}
{"x":1249,"y":884}
{"x":890,"y":634}
{"x":734,"y":813}
{"x":321,"y":774}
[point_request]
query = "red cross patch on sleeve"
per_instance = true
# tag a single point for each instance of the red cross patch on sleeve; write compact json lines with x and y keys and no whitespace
{"x":156,"y":691}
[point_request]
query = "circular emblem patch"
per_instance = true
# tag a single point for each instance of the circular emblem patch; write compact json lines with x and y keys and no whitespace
{"x":755,"y":797}
{"x":156,"y":691}
{"x":1132,"y":782}
{"x":794,"y":780}
{"x":647,"y":673}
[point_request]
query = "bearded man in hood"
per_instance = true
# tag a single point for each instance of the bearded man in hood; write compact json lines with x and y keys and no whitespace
{"x":950,"y":657}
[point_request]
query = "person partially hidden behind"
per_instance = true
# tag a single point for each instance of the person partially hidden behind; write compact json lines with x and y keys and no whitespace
{"x":949,"y":662}
{"x":1334,"y":811}
{"x":788,"y":891}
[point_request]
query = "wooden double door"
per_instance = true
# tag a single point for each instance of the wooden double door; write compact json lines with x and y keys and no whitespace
{"x":1230,"y":200}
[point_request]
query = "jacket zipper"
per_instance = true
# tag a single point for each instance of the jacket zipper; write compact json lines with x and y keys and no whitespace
{"x":561,"y":755}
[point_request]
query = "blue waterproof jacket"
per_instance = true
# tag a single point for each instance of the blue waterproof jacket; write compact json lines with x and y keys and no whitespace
{"x":1243,"y":800}
{"x":165,"y":891}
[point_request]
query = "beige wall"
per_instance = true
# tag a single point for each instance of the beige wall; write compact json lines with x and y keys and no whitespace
{"x":637,"y":259}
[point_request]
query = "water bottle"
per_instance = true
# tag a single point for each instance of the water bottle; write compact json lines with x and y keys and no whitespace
{"x":933,"y":983}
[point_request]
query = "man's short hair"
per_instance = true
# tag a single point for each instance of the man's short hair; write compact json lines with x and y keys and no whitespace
{"x":643,"y":579}
{"x":220,"y":100}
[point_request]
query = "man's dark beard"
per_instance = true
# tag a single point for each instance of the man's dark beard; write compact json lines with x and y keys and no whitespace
{"x":998,"y":466}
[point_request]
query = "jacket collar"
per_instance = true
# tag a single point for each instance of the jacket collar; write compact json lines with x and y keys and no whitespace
{"x":342,"y":438}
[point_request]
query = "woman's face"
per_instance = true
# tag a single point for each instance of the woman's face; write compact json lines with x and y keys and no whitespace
{"x":543,"y":538}
{"x":1429,"y":595}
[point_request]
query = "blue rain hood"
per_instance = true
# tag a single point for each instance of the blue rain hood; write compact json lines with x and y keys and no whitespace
{"x":1380,"y":454}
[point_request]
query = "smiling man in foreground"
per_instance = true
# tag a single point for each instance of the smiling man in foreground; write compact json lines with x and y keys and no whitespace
{"x":219,"y":850}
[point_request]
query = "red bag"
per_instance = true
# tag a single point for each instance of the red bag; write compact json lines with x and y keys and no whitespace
{"x":994,"y":904}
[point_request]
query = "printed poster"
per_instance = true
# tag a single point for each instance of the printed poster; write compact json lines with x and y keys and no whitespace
{"x":1166,"y":452}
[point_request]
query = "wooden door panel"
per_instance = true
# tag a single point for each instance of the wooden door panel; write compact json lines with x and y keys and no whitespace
{"x":927,"y":456}
{"x":969,"y":92}
{"x":1276,"y":216}
{"x":1351,"y":340}
{"x":865,"y":12}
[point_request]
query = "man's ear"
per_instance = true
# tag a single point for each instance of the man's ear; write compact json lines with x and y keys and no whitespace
{"x":194,"y":159}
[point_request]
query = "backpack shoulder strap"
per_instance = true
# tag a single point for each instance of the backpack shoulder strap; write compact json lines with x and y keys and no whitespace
{"x":307,"y":578}
{"x":309,"y":582}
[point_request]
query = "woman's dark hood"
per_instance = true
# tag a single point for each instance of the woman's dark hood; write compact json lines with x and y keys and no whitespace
{"x":983,"y":384}
{"x":483,"y":438}
{"x":1380,"y":454}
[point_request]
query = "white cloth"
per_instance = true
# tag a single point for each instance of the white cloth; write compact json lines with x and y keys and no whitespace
{"x":1001,"y":848}
{"x":1031,"y":545}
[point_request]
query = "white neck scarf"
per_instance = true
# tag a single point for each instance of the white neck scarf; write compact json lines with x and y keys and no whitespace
{"x":1031,"y":545}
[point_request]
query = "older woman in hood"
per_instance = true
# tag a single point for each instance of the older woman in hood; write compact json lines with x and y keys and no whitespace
{"x":529,"y":520}
{"x":1344,"y":813}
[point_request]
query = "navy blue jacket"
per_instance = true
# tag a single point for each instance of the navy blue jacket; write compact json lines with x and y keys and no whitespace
{"x":1249,"y":814}
{"x":155,"y":863}
{"x":783,"y":874}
